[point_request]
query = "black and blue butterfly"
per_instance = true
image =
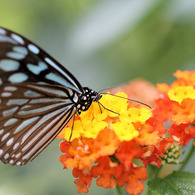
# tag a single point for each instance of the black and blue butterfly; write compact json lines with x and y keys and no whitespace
{"x":38,"y":97}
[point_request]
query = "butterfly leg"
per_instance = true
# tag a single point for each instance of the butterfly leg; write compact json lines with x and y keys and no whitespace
{"x":100,"y":107}
{"x":72,"y":129}
{"x":100,"y":104}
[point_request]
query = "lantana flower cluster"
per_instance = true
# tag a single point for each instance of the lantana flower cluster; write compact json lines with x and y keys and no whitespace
{"x":115,"y":147}
{"x":177,"y":103}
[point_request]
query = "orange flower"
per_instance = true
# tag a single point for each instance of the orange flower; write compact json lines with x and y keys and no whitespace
{"x":184,"y":78}
{"x":127,"y":152}
{"x":106,"y":170}
{"x":187,"y":76}
{"x":112,"y":142}
{"x":162,"y":110}
{"x":134,"y":185}
{"x":115,"y":149}
{"x":84,"y":181}
{"x":184,"y":113}
{"x":106,"y":146}
{"x":132,"y":179}
{"x":180,"y":133}
{"x":178,"y":105}
{"x":148,"y":135}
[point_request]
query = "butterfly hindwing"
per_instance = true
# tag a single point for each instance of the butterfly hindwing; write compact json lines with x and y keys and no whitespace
{"x":28,"y":113}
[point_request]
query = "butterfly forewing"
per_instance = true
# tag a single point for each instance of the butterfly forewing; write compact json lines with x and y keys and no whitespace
{"x":37,"y":98}
{"x":23,"y":61}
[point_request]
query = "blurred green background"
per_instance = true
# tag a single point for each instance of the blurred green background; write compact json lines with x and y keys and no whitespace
{"x":103,"y":43}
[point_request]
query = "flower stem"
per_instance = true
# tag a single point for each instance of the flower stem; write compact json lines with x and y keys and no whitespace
{"x":190,"y":153}
{"x":119,"y":191}
{"x":147,"y":192}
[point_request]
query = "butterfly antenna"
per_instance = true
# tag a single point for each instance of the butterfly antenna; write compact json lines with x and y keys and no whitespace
{"x":136,"y":101}
{"x":105,"y":89}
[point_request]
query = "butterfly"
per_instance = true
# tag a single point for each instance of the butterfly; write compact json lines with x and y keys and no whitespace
{"x":38,"y":97}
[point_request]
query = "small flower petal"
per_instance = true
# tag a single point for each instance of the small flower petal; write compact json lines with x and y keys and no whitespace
{"x":184,"y":113}
{"x":106,"y":146}
{"x":84,"y":181}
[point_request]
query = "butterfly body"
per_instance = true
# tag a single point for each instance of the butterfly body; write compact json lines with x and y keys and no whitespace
{"x":38,"y":97}
{"x":86,"y":99}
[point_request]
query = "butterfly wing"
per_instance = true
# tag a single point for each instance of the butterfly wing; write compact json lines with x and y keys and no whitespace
{"x":23,"y":61}
{"x":37,"y":98}
{"x":31,"y":116}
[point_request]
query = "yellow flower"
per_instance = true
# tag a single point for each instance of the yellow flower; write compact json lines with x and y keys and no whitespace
{"x":125,"y":131}
{"x":178,"y":94}
{"x":139,"y":115}
{"x":88,"y":124}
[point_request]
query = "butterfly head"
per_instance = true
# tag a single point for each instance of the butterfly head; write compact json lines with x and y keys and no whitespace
{"x":86,"y":99}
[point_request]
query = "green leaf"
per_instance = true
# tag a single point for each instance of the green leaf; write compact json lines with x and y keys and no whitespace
{"x":176,"y":183}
